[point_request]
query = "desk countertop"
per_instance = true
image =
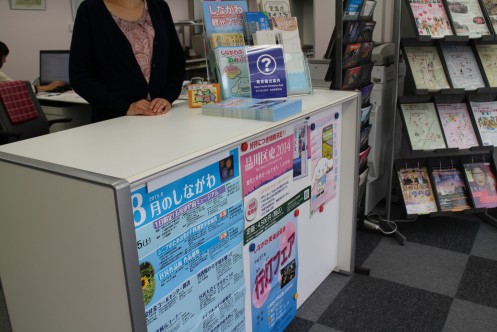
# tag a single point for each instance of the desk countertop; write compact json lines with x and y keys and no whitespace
{"x":66,"y":97}
{"x":134,"y":147}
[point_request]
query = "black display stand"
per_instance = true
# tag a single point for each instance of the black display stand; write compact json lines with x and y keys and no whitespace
{"x":409,"y":36}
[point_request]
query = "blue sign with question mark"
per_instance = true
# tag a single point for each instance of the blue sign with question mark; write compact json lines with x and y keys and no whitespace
{"x":267,"y":71}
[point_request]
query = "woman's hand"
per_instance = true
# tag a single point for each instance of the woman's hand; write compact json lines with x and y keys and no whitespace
{"x":158,"y":106}
{"x":49,"y":87}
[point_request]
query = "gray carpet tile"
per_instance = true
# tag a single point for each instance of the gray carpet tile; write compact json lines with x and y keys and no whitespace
{"x":479,"y":282}
{"x":486,"y":242}
{"x":321,"y":328}
{"x":299,"y":325}
{"x":4,"y":321}
{"x":322,"y":297}
{"x":417,"y":265}
{"x":442,"y":232}
{"x":468,"y":316}
{"x":371,"y":304}
{"x":365,"y":244}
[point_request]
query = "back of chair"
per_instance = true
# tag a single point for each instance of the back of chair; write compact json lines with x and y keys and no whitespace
{"x":20,"y":111}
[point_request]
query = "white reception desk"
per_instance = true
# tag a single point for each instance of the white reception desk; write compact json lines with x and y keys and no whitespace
{"x":68,"y":251}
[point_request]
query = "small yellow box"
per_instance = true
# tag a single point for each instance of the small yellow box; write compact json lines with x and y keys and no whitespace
{"x":203,"y":94}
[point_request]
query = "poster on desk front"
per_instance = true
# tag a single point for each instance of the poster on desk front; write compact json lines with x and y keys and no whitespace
{"x":273,"y":276}
{"x":189,"y":232}
{"x":324,"y":160}
{"x":274,"y":173}
{"x":275,"y":184}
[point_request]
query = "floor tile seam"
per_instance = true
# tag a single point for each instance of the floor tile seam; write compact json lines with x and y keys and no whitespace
{"x":427,"y":246}
{"x":413,"y":287}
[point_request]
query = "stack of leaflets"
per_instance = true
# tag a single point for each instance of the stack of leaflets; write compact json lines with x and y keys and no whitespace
{"x":255,"y":109}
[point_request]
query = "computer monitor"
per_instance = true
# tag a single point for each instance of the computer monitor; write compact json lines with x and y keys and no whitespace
{"x":54,"y":65}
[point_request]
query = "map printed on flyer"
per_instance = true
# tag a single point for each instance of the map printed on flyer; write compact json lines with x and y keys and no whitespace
{"x":462,"y":67}
{"x":423,"y":127}
{"x":324,"y":161}
{"x":486,"y":53}
{"x":426,"y":68}
{"x":273,"y":276}
{"x":182,"y":227}
{"x":457,"y":126}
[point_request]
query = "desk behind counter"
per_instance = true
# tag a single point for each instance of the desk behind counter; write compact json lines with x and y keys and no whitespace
{"x":95,"y":221}
{"x":65,"y":105}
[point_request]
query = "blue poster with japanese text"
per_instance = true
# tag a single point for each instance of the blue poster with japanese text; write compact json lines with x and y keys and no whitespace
{"x":189,"y":232}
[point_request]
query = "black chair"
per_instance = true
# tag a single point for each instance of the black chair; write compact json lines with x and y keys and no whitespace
{"x":21,"y":115}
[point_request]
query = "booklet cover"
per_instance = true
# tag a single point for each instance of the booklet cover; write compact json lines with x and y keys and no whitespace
{"x":457,"y":125}
{"x":431,"y":18}
{"x":416,"y":190}
{"x":232,"y":70}
{"x":276,"y":8}
{"x":486,"y":53}
{"x":450,"y":188}
{"x":490,"y":6}
{"x":351,"y":9}
{"x":254,"y":21}
{"x":221,"y":17}
{"x":468,"y":18}
{"x":462,"y":67}
{"x":423,"y":126}
{"x":481,"y":181}
{"x":255,"y":109}
{"x":485,"y":115}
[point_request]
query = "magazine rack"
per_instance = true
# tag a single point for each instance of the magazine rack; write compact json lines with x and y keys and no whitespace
{"x":481,"y":48}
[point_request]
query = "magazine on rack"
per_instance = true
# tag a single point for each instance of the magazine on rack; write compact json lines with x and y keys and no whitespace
{"x":367,"y":9}
{"x":351,"y":9}
{"x":221,"y":17}
{"x":451,"y":191}
{"x":422,"y":126}
{"x":481,"y":181}
{"x":485,"y":115}
{"x":426,"y":68}
{"x":490,"y":6}
{"x":232,"y":70}
{"x":467,"y":17}
{"x":462,"y":67}
{"x":416,"y":190}
{"x":431,"y":18}
{"x":275,"y":8}
{"x":457,"y":125}
{"x":486,"y":53}
{"x":254,"y":21}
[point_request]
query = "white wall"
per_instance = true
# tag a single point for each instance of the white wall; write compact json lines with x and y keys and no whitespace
{"x":26,"y":32}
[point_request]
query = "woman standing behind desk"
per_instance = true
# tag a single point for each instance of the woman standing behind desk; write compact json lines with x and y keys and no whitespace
{"x":126,"y":58}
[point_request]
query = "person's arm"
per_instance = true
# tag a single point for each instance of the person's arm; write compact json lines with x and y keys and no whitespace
{"x":176,"y":61}
{"x":83,"y":67}
{"x":49,"y":87}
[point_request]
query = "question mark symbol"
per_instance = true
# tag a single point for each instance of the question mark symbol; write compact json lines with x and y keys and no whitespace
{"x":267,"y":62}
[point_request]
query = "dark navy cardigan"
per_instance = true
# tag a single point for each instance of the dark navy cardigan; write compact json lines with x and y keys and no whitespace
{"x":103,"y":69}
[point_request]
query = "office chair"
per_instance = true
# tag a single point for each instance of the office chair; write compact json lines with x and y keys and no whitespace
{"x":21,"y":115}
